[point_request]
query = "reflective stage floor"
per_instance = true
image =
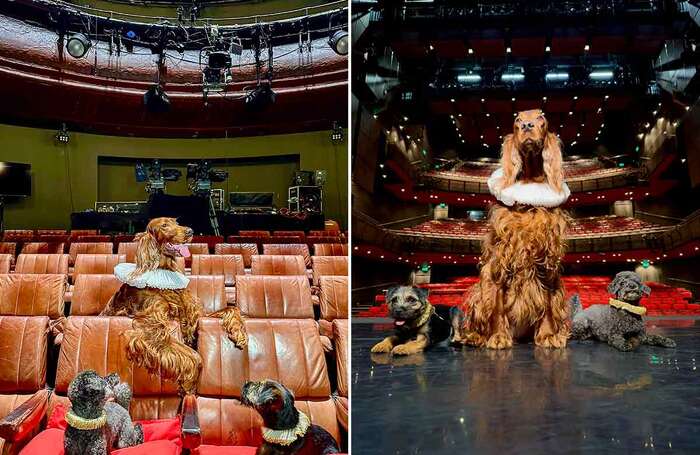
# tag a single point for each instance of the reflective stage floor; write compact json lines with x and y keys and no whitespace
{"x":587,"y":398}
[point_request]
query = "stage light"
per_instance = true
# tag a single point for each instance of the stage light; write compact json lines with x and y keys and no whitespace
{"x":548,"y":49}
{"x":508,"y":50}
{"x":469,"y":78}
{"x":556,"y":76}
{"x":78,"y":45}
{"x":544,"y":98}
{"x":512,"y":77}
{"x":471,"y":51}
{"x":260,"y":97}
{"x":339,"y":42}
{"x":62,"y":135}
{"x":601,"y":75}
{"x":586,"y":48}
{"x":156,"y":100}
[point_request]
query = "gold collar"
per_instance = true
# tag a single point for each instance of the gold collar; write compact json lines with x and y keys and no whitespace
{"x":427,"y":312}
{"x":288,"y":436}
{"x":634,"y":309}
{"x":82,"y":423}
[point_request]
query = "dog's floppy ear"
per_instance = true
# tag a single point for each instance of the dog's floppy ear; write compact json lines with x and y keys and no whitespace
{"x":390,"y":292}
{"x":552,"y":161}
{"x":147,"y":253}
{"x":422,"y":293}
{"x":614,"y":285}
{"x":511,"y":163}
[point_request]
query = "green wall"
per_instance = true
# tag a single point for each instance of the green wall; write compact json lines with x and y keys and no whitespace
{"x":68,"y":178}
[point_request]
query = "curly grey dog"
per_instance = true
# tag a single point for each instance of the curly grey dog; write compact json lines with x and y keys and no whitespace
{"x":620,"y":323}
{"x":99,"y":420}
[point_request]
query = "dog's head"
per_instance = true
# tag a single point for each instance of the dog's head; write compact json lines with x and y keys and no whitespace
{"x":87,"y":391}
{"x":406,"y":303}
{"x":273,"y":401}
{"x":533,"y":144}
{"x":163,"y":238}
{"x":628,"y":287}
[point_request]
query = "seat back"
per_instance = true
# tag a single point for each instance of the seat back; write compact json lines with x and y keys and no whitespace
{"x":274,"y":296}
{"x":228,"y":265}
{"x":52,"y":238}
{"x":24,"y":348}
{"x":329,"y":265}
{"x":89,"y":248}
{"x":196,"y":248}
{"x":326,"y":239}
{"x":18,"y":235}
{"x":257,"y":234}
{"x":289,"y":249}
{"x":330,"y":249}
{"x":92,"y":292}
{"x":5,"y":263}
{"x":42,"y":263}
{"x":210,"y":240}
{"x":99,"y":343}
{"x":92,"y":238}
{"x":288,"y":351}
{"x":32,"y":295}
{"x":97,"y":263}
{"x":124,"y":238}
{"x":299,"y":234}
{"x":128,"y":249}
{"x":43,"y":248}
{"x":341,"y":327}
{"x":334,"y":297}
{"x":8,"y":248}
{"x":247,"y":250}
{"x":79,"y":232}
{"x":277,"y":265}
{"x":210,"y":292}
{"x":50,"y":232}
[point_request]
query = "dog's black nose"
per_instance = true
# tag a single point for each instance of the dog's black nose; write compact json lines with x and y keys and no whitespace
{"x":528,"y":126}
{"x":189,"y":231}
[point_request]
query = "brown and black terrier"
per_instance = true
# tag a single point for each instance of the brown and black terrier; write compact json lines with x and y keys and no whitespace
{"x":286,"y":430}
{"x":418,"y":324}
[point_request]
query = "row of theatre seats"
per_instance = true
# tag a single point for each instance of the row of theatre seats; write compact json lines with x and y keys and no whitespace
{"x":571,"y":168}
{"x":664,"y":300}
{"x":295,"y":307}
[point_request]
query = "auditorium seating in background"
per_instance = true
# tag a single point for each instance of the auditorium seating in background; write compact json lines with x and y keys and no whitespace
{"x":98,"y":343}
{"x":97,"y":263}
{"x":77,"y":248}
{"x":316,"y":240}
{"x":124,"y":238}
{"x":8,"y":248}
{"x":5,"y":263}
{"x":18,"y":235}
{"x":92,"y":292}
{"x":210,"y":291}
{"x":42,"y":264}
{"x":51,"y":232}
{"x":128,"y":249}
{"x":281,"y":239}
{"x":210,"y":240}
{"x":75,"y":233}
{"x":298,"y":234}
{"x":92,"y":238}
{"x":256,"y":234}
{"x":334,"y":297}
{"x":289,"y":249}
{"x":329,"y":265}
{"x":52,"y":238}
{"x":226,"y":265}
{"x":32,"y":295}
{"x":43,"y":248}
{"x":195,"y":248}
{"x":274,"y":297}
{"x":247,"y":250}
{"x":288,"y":351}
{"x":330,"y":249}
{"x":24,"y":341}
{"x":277,"y":265}
{"x":341,"y":329}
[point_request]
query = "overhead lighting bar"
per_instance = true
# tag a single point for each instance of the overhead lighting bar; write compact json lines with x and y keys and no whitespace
{"x":471,"y":78}
{"x":557,"y":76}
{"x":512,"y":77}
{"x":601,"y":75}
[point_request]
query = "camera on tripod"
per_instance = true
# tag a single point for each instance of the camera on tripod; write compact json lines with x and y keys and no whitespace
{"x":154,"y":176}
{"x":201,"y":175}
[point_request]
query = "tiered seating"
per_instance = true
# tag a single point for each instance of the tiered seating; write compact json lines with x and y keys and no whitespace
{"x":572,"y":169}
{"x":42,"y":263}
{"x":5,"y":263}
{"x":664,"y":299}
{"x":580,"y":227}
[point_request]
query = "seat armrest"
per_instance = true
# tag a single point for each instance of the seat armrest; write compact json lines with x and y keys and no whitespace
{"x":24,"y":421}
{"x":341,"y":411}
{"x":191,"y":434}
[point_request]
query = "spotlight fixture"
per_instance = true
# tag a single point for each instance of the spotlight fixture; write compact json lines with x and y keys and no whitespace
{"x":62,"y":135}
{"x":78,"y":45}
{"x":260,"y":97}
{"x":156,"y":100}
{"x":339,"y":42}
{"x":337,"y":133}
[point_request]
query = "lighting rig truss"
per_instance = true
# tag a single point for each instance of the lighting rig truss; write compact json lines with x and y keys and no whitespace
{"x":262,"y":95}
{"x":215,"y":60}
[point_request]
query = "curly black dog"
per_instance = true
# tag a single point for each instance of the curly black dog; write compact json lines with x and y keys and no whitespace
{"x":418,"y":324}
{"x":620,"y":323}
{"x":99,"y":420}
{"x":286,"y":430}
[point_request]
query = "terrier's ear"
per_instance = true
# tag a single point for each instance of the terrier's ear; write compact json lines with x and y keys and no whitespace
{"x":390,"y":292}
{"x":645,"y":289}
{"x":422,"y":293}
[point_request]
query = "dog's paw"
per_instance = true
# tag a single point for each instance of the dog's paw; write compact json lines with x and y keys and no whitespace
{"x":499,"y":341}
{"x":239,"y":338}
{"x":382,"y":346}
{"x":403,"y":349}
{"x":667,"y":343}
{"x":473,"y":339}
{"x":554,"y":341}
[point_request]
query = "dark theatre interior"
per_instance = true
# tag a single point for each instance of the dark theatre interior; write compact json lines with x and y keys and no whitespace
{"x":229,"y":116}
{"x":436,"y":86}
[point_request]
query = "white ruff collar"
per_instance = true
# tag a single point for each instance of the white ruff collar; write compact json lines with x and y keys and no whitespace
{"x":158,"y":278}
{"x":288,"y":436}
{"x":535,"y":194}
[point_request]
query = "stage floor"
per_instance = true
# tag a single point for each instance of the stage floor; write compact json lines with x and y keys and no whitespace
{"x":587,"y":398}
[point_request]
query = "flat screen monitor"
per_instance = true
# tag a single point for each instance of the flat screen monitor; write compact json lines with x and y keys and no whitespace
{"x":15,"y":179}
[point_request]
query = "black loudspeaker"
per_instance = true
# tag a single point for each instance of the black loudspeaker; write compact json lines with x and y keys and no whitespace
{"x":250,"y":199}
{"x":308,"y":199}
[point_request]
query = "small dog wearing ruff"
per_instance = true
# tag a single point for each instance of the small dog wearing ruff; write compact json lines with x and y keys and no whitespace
{"x":619,"y":323}
{"x":286,"y":430}
{"x":155,"y":293}
{"x":99,"y":420}
{"x":418,"y":324}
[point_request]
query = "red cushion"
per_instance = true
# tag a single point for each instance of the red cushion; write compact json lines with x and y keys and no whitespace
{"x":225,"y":450}
{"x":50,"y":442}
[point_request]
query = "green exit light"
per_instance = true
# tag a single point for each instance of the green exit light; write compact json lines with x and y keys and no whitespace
{"x":443,"y":205}
{"x":636,"y":149}
{"x":425,"y":267}
{"x":425,"y":152}
{"x":621,"y":164}
{"x":645,"y":263}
